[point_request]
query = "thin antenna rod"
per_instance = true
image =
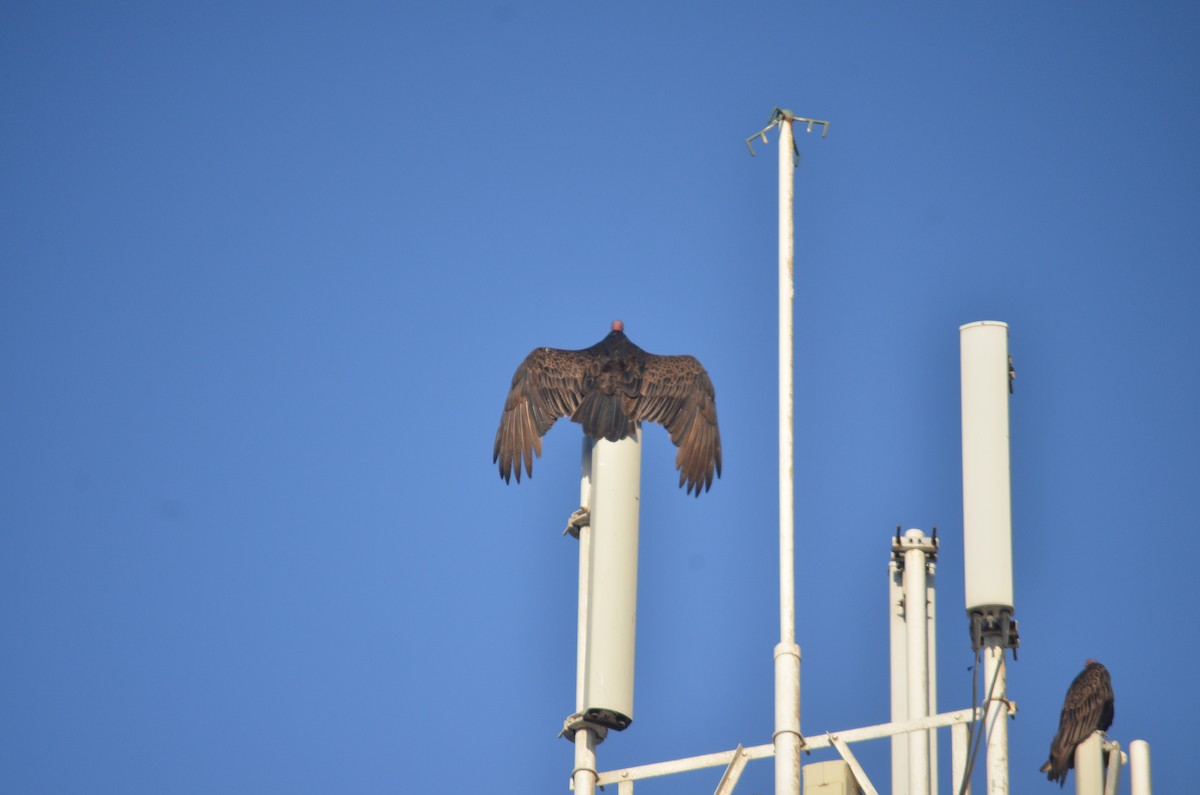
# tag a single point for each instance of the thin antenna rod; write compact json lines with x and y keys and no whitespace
{"x":787,"y":739}
{"x":787,"y":244}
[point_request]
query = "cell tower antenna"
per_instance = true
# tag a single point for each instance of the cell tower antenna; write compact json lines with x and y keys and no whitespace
{"x":787,"y":738}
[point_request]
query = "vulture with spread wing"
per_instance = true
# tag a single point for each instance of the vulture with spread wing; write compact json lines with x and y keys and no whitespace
{"x":1087,"y":707}
{"x":609,"y":388}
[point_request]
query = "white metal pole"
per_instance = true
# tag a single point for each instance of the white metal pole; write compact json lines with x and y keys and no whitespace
{"x":585,"y":556}
{"x":931,"y":665}
{"x":915,"y":622}
{"x":995,"y":677}
{"x":1112,"y":778}
{"x":787,"y":573}
{"x":584,"y":777}
{"x":899,"y":670}
{"x":1089,"y":766}
{"x":959,"y":749}
{"x":786,"y":737}
{"x":1139,"y":767}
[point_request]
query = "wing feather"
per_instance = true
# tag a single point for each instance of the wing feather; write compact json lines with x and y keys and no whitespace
{"x":677,"y":393}
{"x":546,"y":386}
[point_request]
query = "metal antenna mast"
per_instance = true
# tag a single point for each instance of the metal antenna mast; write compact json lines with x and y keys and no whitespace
{"x":786,"y":738}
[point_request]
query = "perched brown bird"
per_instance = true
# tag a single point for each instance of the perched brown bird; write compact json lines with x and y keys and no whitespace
{"x":1087,"y":707}
{"x":609,"y":388}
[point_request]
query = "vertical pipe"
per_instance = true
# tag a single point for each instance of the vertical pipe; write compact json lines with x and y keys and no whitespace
{"x":915,"y":618}
{"x":1112,"y":777}
{"x":585,"y":555}
{"x":786,"y":738}
{"x":995,"y":677}
{"x":1089,"y":766}
{"x":899,"y":670}
{"x":787,"y":573}
{"x":959,"y":749}
{"x":584,"y":776}
{"x":1139,"y":767}
{"x":931,"y":665}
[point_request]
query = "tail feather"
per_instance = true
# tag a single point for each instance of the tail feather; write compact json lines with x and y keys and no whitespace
{"x":1056,"y":770}
{"x":602,"y":417}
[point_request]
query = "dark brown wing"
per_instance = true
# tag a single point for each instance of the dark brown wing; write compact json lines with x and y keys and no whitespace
{"x":1087,"y":707}
{"x":547,"y":385}
{"x":676,"y":392}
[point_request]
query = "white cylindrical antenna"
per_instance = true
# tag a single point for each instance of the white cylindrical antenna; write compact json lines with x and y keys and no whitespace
{"x":787,"y":736}
{"x":987,"y":525}
{"x":1139,"y":767}
{"x":1089,"y":766}
{"x":612,"y":582}
{"x":987,"y":506}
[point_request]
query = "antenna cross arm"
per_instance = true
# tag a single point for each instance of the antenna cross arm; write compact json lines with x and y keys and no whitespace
{"x":780,"y":115}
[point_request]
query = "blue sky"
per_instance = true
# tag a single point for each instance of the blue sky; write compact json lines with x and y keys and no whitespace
{"x":267,"y":270}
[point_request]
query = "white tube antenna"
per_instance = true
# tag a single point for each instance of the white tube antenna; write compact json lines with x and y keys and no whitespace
{"x":987,"y":504}
{"x":987,"y":526}
{"x":1089,"y":766}
{"x":612,"y":600}
{"x":1139,"y":767}
{"x":607,"y":528}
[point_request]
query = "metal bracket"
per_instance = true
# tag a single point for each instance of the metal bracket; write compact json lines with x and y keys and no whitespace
{"x":579,"y":720}
{"x":989,"y":624}
{"x":860,"y":775}
{"x":779,"y":116}
{"x":733,"y":772}
{"x":901,"y":544}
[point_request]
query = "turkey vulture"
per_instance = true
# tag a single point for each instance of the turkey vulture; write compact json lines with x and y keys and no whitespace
{"x":1087,"y":707}
{"x":609,"y":388}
